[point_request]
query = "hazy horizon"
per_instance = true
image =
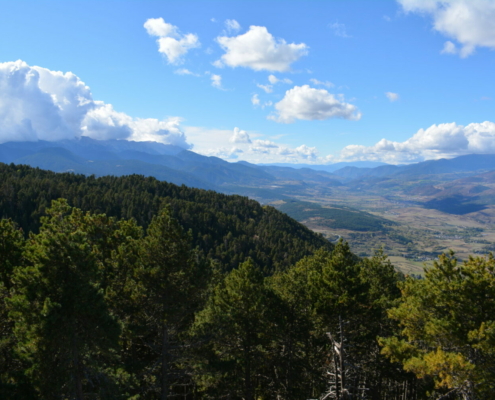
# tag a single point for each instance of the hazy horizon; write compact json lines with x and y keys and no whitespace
{"x":396,"y":81}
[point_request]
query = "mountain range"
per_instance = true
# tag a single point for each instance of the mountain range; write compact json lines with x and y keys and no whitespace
{"x":459,"y":185}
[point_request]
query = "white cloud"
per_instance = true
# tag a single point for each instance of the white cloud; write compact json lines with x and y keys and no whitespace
{"x":184,"y":71}
{"x":469,"y":22}
{"x":321,"y":83}
{"x":274,"y":80}
{"x":259,"y":50}
{"x":282,"y":152}
{"x":309,"y":153}
{"x":232,"y":26}
{"x":339,"y":30}
{"x":216,"y":81}
{"x":265,"y":144}
{"x":223,"y":152}
{"x":449,"y":48}
{"x":39,"y":104}
{"x":255,"y":100}
{"x":171,"y":42}
{"x":246,"y":146}
{"x":166,"y":131}
{"x":392,"y":96}
{"x":266,"y":88}
{"x":240,"y":136}
{"x":307,"y":103}
{"x":438,"y":141}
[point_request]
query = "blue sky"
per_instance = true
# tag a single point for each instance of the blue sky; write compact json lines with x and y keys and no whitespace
{"x":262,"y":81}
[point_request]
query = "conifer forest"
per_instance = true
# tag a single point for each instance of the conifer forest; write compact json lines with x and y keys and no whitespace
{"x":132,"y":288}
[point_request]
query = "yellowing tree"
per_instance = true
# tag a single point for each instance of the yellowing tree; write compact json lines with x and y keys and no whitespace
{"x":447,"y":325}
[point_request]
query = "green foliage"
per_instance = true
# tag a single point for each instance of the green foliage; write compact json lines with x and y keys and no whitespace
{"x":447,"y":322}
{"x":228,"y":229}
{"x":335,"y":217}
{"x":238,"y":321}
{"x":13,"y":384}
{"x":63,"y":327}
{"x":182,"y":292}
{"x":321,"y":292}
{"x":165,"y":288}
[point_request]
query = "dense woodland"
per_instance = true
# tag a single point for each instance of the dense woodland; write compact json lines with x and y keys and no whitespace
{"x":336,"y":217}
{"x":131,"y":288}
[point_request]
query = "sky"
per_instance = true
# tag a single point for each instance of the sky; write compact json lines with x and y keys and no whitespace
{"x":318,"y":82}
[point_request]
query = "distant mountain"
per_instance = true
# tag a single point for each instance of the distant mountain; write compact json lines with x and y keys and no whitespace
{"x":164,"y":162}
{"x":330,"y":167}
{"x":460,"y":185}
{"x":351,"y":172}
{"x":62,"y":160}
{"x":467,"y":163}
{"x":457,"y":185}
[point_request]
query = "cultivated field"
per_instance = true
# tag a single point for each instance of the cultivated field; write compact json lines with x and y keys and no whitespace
{"x":420,"y":234}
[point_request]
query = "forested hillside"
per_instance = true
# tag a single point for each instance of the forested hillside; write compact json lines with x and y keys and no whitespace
{"x":226,"y":228}
{"x":131,"y":288}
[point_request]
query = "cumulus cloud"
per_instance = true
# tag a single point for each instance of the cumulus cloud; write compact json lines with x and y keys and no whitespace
{"x":226,"y":153}
{"x":307,"y":103}
{"x":232,"y":26}
{"x":240,"y":136}
{"x":392,"y":96}
{"x":259,"y":50}
{"x":302,"y":152}
{"x":438,"y":141}
{"x":469,"y":22}
{"x":246,"y":146}
{"x":321,"y":83}
{"x":39,"y":104}
{"x":449,"y":48}
{"x":171,"y":42}
{"x":274,"y":80}
{"x":216,"y":81}
{"x":266,"y":88}
{"x":255,"y":100}
{"x":286,"y":153}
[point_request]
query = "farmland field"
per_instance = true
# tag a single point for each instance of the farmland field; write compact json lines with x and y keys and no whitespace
{"x":414,"y":236}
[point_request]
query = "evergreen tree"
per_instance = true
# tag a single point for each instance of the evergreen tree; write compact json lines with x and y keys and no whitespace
{"x":13,"y":383}
{"x":301,"y":340}
{"x":63,"y":326}
{"x":336,"y":306}
{"x":165,"y":290}
{"x":237,"y":324}
{"x":448,"y":327}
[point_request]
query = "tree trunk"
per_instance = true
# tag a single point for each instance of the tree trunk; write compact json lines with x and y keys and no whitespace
{"x":77,"y":369}
{"x":247,"y":373}
{"x":341,"y":361}
{"x":165,"y":348}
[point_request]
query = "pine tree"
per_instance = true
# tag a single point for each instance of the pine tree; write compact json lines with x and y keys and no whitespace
{"x":165,"y":290}
{"x":448,"y":327}
{"x":13,"y":383}
{"x":237,"y":324}
{"x":63,"y":326}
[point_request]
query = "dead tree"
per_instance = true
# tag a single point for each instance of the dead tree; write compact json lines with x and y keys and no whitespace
{"x":345,"y":380}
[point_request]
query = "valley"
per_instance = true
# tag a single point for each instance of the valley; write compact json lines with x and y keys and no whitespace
{"x":415,"y":235}
{"x":414,"y":212}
